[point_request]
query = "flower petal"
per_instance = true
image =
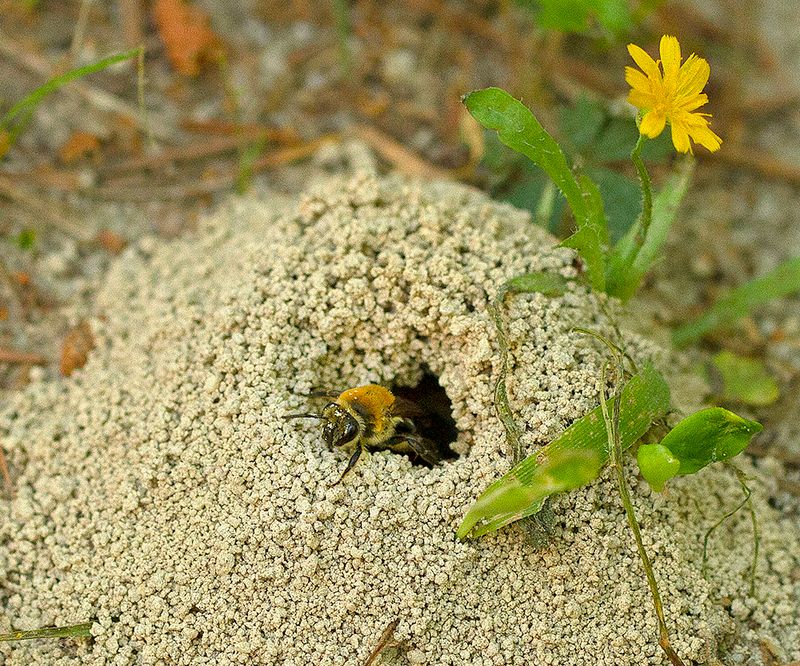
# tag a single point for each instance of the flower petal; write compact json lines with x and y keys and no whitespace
{"x":691,"y":103}
{"x":637,"y":80}
{"x":705,"y":137}
{"x":670,"y":51}
{"x":641,"y":100}
{"x":680,"y":138}
{"x":645,"y":62}
{"x":667,"y":91}
{"x":652,"y":123}
{"x":693,"y":76}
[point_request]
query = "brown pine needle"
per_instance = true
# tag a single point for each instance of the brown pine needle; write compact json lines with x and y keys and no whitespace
{"x":8,"y":355}
{"x":7,"y":483}
{"x":214,"y":184}
{"x":400,"y":156}
{"x":383,"y":641}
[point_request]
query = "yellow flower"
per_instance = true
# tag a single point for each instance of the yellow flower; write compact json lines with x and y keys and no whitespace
{"x":672,"y":96}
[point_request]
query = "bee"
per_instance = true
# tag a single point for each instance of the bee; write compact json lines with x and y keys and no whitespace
{"x":372,"y":418}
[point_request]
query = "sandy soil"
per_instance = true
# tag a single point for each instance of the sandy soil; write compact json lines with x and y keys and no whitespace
{"x":160,"y":492}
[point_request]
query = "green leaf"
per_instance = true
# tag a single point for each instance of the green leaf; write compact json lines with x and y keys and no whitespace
{"x":571,"y":460}
{"x":632,"y":257}
{"x":575,"y":15}
{"x":536,"y":193}
{"x":549,"y":284}
{"x":73,"y":631}
{"x":745,"y":380}
{"x":614,"y":15}
{"x":710,"y":435}
{"x":657,"y":464}
{"x":518,"y":129}
{"x":594,"y":207}
{"x":26,"y":239}
{"x":617,"y":139}
{"x":513,"y":499}
{"x":780,"y":281}
{"x":615,"y":142}
{"x":563,"y":15}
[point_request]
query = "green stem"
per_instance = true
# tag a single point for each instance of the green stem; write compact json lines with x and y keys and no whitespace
{"x":536,"y":527}
{"x":615,"y":457}
{"x":742,"y":478}
{"x":513,"y":433}
{"x":747,"y":501}
{"x":341,"y":14}
{"x":647,"y":191}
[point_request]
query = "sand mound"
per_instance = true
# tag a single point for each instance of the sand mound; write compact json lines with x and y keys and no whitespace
{"x":160,"y":493}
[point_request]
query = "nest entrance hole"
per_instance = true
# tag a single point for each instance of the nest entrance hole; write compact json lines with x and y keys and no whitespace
{"x":437,"y":423}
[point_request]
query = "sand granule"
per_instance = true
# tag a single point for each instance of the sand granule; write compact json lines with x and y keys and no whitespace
{"x":160,"y":493}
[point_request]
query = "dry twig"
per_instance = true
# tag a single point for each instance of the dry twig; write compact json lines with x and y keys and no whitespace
{"x":45,"y":213}
{"x":383,"y":641}
{"x":186,"y":153}
{"x":399,"y":155}
{"x":210,"y":185}
{"x":7,"y":483}
{"x":17,"y":297}
{"x":8,"y":355}
{"x":131,"y":17}
{"x":80,"y":28}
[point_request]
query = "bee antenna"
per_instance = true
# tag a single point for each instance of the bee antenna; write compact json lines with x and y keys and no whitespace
{"x":303,"y":416}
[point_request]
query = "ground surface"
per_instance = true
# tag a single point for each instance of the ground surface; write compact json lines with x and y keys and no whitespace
{"x":282,"y":82}
{"x":161,"y":492}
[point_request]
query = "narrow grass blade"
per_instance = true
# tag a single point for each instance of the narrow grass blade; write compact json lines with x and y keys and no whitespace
{"x":781,"y":281}
{"x":22,"y":109}
{"x":569,"y":461}
{"x":74,"y":631}
{"x":746,"y":501}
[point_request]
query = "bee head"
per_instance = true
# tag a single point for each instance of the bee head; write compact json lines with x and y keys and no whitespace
{"x":340,"y":427}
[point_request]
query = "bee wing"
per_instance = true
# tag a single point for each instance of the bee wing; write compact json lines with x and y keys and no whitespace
{"x":407,"y":408}
{"x":419,"y":446}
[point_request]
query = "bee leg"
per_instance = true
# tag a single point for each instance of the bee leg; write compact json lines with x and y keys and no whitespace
{"x":416,"y":446}
{"x":353,"y":460}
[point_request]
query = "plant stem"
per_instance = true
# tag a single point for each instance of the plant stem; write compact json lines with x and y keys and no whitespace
{"x":647,"y":191}
{"x":513,"y":433}
{"x":341,"y":13}
{"x":615,"y":457}
{"x":746,"y":501}
{"x":537,"y":526}
{"x":742,"y":478}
